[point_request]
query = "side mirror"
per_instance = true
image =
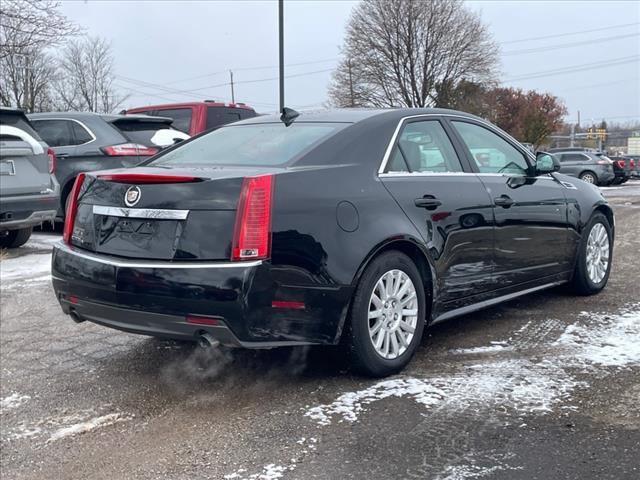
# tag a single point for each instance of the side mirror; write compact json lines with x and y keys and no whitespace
{"x":546,"y":163}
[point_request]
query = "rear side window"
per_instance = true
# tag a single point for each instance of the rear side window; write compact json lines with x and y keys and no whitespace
{"x":181,"y":118}
{"x":573,"y":157}
{"x":140,"y":132}
{"x":57,"y":133}
{"x":424,"y":147}
{"x":19,"y":121}
{"x":492,"y":153}
{"x":217,"y":116}
{"x":264,"y":144}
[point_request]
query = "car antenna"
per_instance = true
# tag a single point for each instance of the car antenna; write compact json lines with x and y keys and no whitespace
{"x":288,"y":116}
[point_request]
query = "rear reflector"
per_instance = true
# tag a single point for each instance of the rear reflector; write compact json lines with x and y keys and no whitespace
{"x":129,"y":149}
{"x":145,"y":178}
{"x":252,"y":235}
{"x":52,"y":160}
{"x":289,"y":305}
{"x":201,"y":320}
{"x":72,"y":209}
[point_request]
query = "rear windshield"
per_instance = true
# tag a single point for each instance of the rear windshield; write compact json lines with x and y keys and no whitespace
{"x":265,"y":144}
{"x":18,"y":121}
{"x":140,"y":132}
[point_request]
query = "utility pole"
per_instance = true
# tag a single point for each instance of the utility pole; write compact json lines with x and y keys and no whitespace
{"x":573,"y":135}
{"x":281,"y":50}
{"x":353,"y":104}
{"x":233,"y":97}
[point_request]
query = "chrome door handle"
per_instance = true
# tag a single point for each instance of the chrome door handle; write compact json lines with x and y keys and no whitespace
{"x":428,"y":201}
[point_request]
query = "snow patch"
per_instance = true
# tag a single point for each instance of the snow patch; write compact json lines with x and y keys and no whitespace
{"x":269,"y":472}
{"x":473,"y":470}
{"x":13,"y":401}
{"x":24,"y":267}
{"x":481,"y":350}
{"x":351,"y":404}
{"x":606,"y":340}
{"x":87,"y":426}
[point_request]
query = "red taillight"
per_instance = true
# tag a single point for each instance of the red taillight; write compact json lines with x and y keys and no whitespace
{"x":252,"y":236}
{"x":621,"y":163}
{"x":129,"y":149}
{"x":146,"y":178}
{"x":52,"y":160}
{"x":72,"y":209}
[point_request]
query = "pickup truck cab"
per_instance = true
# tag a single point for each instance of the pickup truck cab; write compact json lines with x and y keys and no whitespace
{"x":197,"y":117}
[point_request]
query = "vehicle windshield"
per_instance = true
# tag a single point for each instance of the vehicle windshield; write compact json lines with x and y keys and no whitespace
{"x":263,"y":144}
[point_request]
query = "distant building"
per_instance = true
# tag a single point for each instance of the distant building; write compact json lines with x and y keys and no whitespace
{"x":633,"y":144}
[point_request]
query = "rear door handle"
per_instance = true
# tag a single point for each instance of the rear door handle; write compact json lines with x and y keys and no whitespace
{"x":62,"y":155}
{"x":428,"y":201}
{"x":504,"y":201}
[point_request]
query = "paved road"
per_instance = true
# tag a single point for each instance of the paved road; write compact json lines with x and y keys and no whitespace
{"x":544,"y":387}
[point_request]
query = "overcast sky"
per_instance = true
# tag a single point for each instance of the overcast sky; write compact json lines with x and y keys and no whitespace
{"x":164,"y":46}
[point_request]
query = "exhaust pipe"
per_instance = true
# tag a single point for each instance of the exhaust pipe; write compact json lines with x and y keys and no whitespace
{"x":75,"y":317}
{"x":205,"y":340}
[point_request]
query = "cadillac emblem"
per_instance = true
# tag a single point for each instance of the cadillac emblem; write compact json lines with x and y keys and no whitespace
{"x":132,"y":196}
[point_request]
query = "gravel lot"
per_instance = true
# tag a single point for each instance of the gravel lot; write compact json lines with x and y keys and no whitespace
{"x":544,"y":387}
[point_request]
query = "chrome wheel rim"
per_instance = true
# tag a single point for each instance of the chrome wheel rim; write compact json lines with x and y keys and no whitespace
{"x":588,"y":178}
{"x":393,"y":314}
{"x":597,"y":253}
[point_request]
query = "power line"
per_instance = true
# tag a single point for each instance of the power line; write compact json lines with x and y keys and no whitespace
{"x":575,"y":68}
{"x":568,"y":45}
{"x":567,"y":34}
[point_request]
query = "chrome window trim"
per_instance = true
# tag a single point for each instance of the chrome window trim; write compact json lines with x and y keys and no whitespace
{"x":166,"y":264}
{"x":150,"y":213}
{"x":496,"y":130}
{"x":83,"y":125}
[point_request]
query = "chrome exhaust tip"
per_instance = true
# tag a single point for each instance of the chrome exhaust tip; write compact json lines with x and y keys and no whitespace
{"x":76,"y":317}
{"x":205,"y":340}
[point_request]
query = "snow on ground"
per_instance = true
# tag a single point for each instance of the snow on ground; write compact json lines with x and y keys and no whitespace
{"x":481,"y":350}
{"x":87,"y":426}
{"x":24,"y":268}
{"x":269,"y":472}
{"x":13,"y":401}
{"x":515,"y":384}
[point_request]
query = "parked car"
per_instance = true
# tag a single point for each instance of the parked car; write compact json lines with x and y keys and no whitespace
{"x":622,"y":171}
{"x":358,"y":225}
{"x":588,"y":166}
{"x":29,"y":192}
{"x":196,"y":117}
{"x":84,"y":142}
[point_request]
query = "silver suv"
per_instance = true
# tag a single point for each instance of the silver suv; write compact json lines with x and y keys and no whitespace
{"x":29,"y":191}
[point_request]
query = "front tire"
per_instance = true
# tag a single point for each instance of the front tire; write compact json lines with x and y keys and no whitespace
{"x":595,"y":254}
{"x":16,"y":238}
{"x":387,"y":315}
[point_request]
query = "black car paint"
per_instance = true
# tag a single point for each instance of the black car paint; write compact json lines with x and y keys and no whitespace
{"x":333,"y":213}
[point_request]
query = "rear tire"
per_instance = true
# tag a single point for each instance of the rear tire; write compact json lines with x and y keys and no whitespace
{"x":389,"y":309}
{"x":589,"y":177}
{"x":596,"y":245}
{"x":16,"y":238}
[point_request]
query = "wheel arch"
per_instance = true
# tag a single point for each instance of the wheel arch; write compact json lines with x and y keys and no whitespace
{"x":411,"y":247}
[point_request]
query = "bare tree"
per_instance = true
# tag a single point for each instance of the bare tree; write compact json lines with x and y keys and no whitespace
{"x":86,"y":75}
{"x":32,"y":25}
{"x":404,"y":52}
{"x":25,"y":80}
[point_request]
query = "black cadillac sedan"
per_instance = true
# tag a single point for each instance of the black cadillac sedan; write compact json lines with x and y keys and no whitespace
{"x":354,"y":226}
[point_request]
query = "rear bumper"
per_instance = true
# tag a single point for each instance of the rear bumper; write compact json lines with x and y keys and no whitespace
{"x":28,"y":210}
{"x":156,"y":297}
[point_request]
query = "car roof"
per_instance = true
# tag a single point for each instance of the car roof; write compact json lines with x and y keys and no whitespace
{"x":111,"y":118}
{"x":354,"y":115}
{"x":208,"y":103}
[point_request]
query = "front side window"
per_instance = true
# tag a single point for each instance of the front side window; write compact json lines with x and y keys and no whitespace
{"x":491,"y":153}
{"x":262,"y":144}
{"x":424,"y":147}
{"x":181,"y":118}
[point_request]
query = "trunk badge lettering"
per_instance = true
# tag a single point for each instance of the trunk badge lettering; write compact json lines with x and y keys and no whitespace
{"x":132,"y":196}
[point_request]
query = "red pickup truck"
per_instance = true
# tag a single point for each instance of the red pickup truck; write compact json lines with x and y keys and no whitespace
{"x":196,"y":117}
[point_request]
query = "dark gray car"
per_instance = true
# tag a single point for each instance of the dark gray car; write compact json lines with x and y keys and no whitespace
{"x":591,"y":167}
{"x":85,"y":142}
{"x":29,"y":192}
